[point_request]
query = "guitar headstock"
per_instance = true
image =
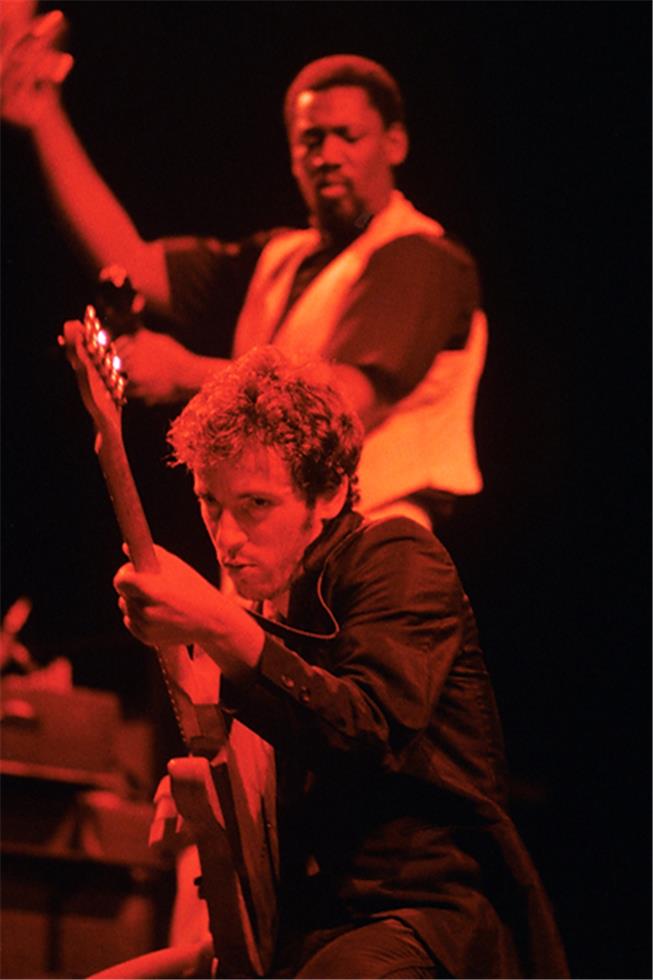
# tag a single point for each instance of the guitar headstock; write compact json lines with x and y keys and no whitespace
{"x":117,"y":303}
{"x":100,"y":377}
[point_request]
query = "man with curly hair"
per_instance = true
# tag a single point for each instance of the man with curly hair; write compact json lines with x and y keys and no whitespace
{"x":360,"y":665}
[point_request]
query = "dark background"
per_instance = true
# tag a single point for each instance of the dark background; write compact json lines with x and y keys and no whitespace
{"x":530,"y":126}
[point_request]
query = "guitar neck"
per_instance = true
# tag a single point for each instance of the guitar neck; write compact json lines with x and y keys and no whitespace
{"x":202,"y":731}
{"x":127,"y":504}
{"x":236,"y":872}
{"x":211,"y":796}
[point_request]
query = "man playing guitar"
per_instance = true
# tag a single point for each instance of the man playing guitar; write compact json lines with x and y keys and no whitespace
{"x":359,"y":663}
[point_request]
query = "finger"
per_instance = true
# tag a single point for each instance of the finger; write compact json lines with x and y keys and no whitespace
{"x":163,"y":789}
{"x":135,"y":618}
{"x":134,"y":628}
{"x":141,"y":634}
{"x":124,"y":612}
{"x":123,"y":344}
{"x":129,"y":590}
{"x":124,"y":584}
{"x":57,"y":66}
{"x":151,"y":399}
{"x":136,"y":389}
{"x":133,"y":606}
{"x":48,"y":25}
{"x":30,"y":49}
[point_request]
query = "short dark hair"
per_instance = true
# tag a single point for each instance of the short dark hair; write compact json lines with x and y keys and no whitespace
{"x":349,"y":69}
{"x":264,"y":398}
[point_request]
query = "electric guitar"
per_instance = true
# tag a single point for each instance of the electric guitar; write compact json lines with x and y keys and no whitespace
{"x":233,"y":826}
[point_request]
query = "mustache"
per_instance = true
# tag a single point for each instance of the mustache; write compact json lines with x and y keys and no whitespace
{"x":326,"y":178}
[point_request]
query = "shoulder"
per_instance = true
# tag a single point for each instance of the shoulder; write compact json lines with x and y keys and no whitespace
{"x":284,"y":242}
{"x":391,"y":549}
{"x":428,"y":251}
{"x":426,"y":264}
{"x":218,"y":248}
{"x":389,"y":573}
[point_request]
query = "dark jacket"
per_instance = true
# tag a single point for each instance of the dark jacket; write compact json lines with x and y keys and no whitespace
{"x":390,"y":759}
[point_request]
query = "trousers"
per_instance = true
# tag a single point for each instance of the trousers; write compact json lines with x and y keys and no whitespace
{"x":377,"y":950}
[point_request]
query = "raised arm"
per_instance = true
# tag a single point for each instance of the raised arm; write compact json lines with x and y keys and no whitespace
{"x":32,"y":73}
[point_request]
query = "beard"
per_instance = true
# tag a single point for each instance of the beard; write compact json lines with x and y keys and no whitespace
{"x":343,"y":217}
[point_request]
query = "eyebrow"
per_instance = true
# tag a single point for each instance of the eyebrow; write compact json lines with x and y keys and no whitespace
{"x":317,"y":130}
{"x":268,"y":494}
{"x":201,"y":493}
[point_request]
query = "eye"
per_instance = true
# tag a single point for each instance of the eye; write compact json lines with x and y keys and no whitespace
{"x":260,"y":503}
{"x":256,"y":508}
{"x":348,"y":135}
{"x":208,"y":500}
{"x":311,"y":140}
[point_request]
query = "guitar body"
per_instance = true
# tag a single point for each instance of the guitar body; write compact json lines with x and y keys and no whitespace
{"x":198,"y":788}
{"x":224,"y":789}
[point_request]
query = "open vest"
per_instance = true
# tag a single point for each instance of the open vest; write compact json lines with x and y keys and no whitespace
{"x":428,"y":439}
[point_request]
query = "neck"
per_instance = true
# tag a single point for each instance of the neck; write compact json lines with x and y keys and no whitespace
{"x":342,"y":232}
{"x":332,"y":233}
{"x":277,"y":607}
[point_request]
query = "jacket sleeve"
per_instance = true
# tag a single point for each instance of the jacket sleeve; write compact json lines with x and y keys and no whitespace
{"x":208,"y":281}
{"x":399,"y":604}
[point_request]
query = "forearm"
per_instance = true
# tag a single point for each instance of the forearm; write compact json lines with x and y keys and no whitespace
{"x":298,"y":707}
{"x":234,"y":641}
{"x":196,"y":370}
{"x":97,"y":220}
{"x":161,"y":370}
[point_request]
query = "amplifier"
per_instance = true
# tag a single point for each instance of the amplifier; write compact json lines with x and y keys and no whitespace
{"x":62,"y":735}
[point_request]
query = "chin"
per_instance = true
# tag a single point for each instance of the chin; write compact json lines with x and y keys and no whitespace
{"x":244,"y":588}
{"x":340,"y":219}
{"x":250,"y":592}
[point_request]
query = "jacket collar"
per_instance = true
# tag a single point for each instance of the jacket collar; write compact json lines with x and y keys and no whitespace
{"x":307,"y":587}
{"x":334,"y":532}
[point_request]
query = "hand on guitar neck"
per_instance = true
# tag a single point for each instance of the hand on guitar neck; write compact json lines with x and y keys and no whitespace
{"x":159,"y":369}
{"x":164,"y":601}
{"x":176,"y":605}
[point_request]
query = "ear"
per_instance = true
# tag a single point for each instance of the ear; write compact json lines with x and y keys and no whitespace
{"x":329,"y":507}
{"x":396,"y":142}
{"x":294,"y":162}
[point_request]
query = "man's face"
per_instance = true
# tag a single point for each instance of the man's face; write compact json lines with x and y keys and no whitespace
{"x":342,"y":155}
{"x":259,"y":525}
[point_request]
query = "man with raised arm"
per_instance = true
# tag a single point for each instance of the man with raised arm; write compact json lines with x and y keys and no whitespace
{"x":372,"y":285}
{"x":360,"y":665}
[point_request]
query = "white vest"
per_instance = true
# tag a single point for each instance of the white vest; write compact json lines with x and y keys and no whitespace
{"x":428,"y":439}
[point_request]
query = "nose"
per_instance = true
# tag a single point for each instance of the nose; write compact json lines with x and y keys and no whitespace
{"x":330,"y":152}
{"x":229,"y":536}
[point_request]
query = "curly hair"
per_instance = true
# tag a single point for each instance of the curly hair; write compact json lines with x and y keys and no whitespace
{"x":349,"y":69}
{"x":264,"y":398}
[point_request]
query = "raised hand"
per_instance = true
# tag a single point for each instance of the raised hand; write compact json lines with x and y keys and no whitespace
{"x":31,"y":67}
